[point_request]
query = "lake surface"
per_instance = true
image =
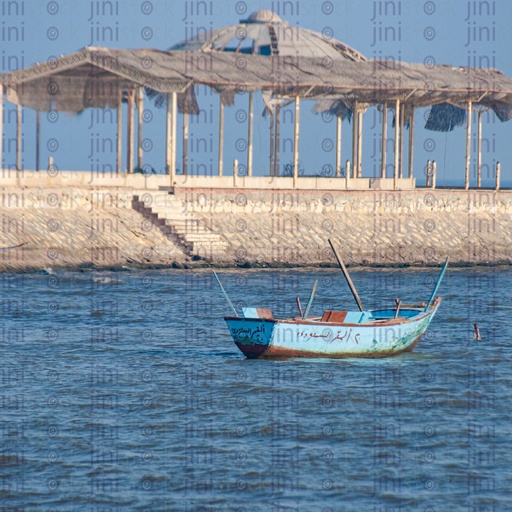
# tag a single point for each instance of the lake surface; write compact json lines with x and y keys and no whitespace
{"x":124,"y":391}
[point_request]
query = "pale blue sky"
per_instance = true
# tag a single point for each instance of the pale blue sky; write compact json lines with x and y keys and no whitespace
{"x":456,"y":33}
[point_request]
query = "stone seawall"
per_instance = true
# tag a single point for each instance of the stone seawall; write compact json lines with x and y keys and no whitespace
{"x":78,"y":227}
{"x":82,"y":226}
{"x":419,"y":227}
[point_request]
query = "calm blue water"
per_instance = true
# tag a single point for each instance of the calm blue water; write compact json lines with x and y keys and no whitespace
{"x":123,"y":391}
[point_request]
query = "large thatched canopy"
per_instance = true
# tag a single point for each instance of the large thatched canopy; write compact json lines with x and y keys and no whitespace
{"x":92,"y":77}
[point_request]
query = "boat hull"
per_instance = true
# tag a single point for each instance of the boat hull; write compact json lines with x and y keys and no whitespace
{"x":271,"y":338}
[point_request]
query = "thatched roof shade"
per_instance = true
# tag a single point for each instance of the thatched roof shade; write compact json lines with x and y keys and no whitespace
{"x":91,"y":77}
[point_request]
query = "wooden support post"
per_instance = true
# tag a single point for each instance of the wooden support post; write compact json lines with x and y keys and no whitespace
{"x":1,"y":125}
{"x":271,"y":164}
{"x":498,"y":175}
{"x":221,"y":135}
{"x":347,"y":173}
{"x":140,"y":111}
{"x":18,"y":137}
{"x":296,"y":141}
{"x":397,"y":144}
{"x":129,"y":163}
{"x":468,"y":143}
{"x":428,"y":174}
{"x":185,"y":144}
{"x":360,"y":145}
{"x":168,"y":128}
{"x":38,"y":138}
{"x":119,"y":129}
{"x":338,"y":145}
{"x":384,"y":140}
{"x":249,"y":134}
{"x":479,"y":152}
{"x":355,"y":133}
{"x":276,"y":140}
{"x":434,"y":174}
{"x":401,"y":153}
{"x":174,"y":135}
{"x":411,"y":145}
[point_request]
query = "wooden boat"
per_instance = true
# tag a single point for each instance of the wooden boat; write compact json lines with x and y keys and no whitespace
{"x":336,"y":334}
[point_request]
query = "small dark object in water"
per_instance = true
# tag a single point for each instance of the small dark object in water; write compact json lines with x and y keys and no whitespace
{"x":477,"y":336}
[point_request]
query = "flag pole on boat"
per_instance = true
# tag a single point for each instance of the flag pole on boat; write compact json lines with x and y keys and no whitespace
{"x":438,"y":282}
{"x":347,"y":277}
{"x":225,"y":294}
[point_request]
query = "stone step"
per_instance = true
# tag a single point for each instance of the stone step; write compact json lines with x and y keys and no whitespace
{"x":207,"y":237}
{"x":172,"y":212}
{"x":190,"y":231}
{"x":173,"y":218}
{"x":190,"y":224}
{"x":197,"y":244}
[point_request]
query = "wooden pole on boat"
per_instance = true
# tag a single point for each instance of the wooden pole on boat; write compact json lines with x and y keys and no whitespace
{"x":310,"y":301}
{"x":225,"y":294}
{"x":438,"y":282}
{"x":347,"y":277}
{"x":299,"y":305}
{"x":398,"y":303}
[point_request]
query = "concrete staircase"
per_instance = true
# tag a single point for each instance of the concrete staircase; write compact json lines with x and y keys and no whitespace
{"x":188,"y":230}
